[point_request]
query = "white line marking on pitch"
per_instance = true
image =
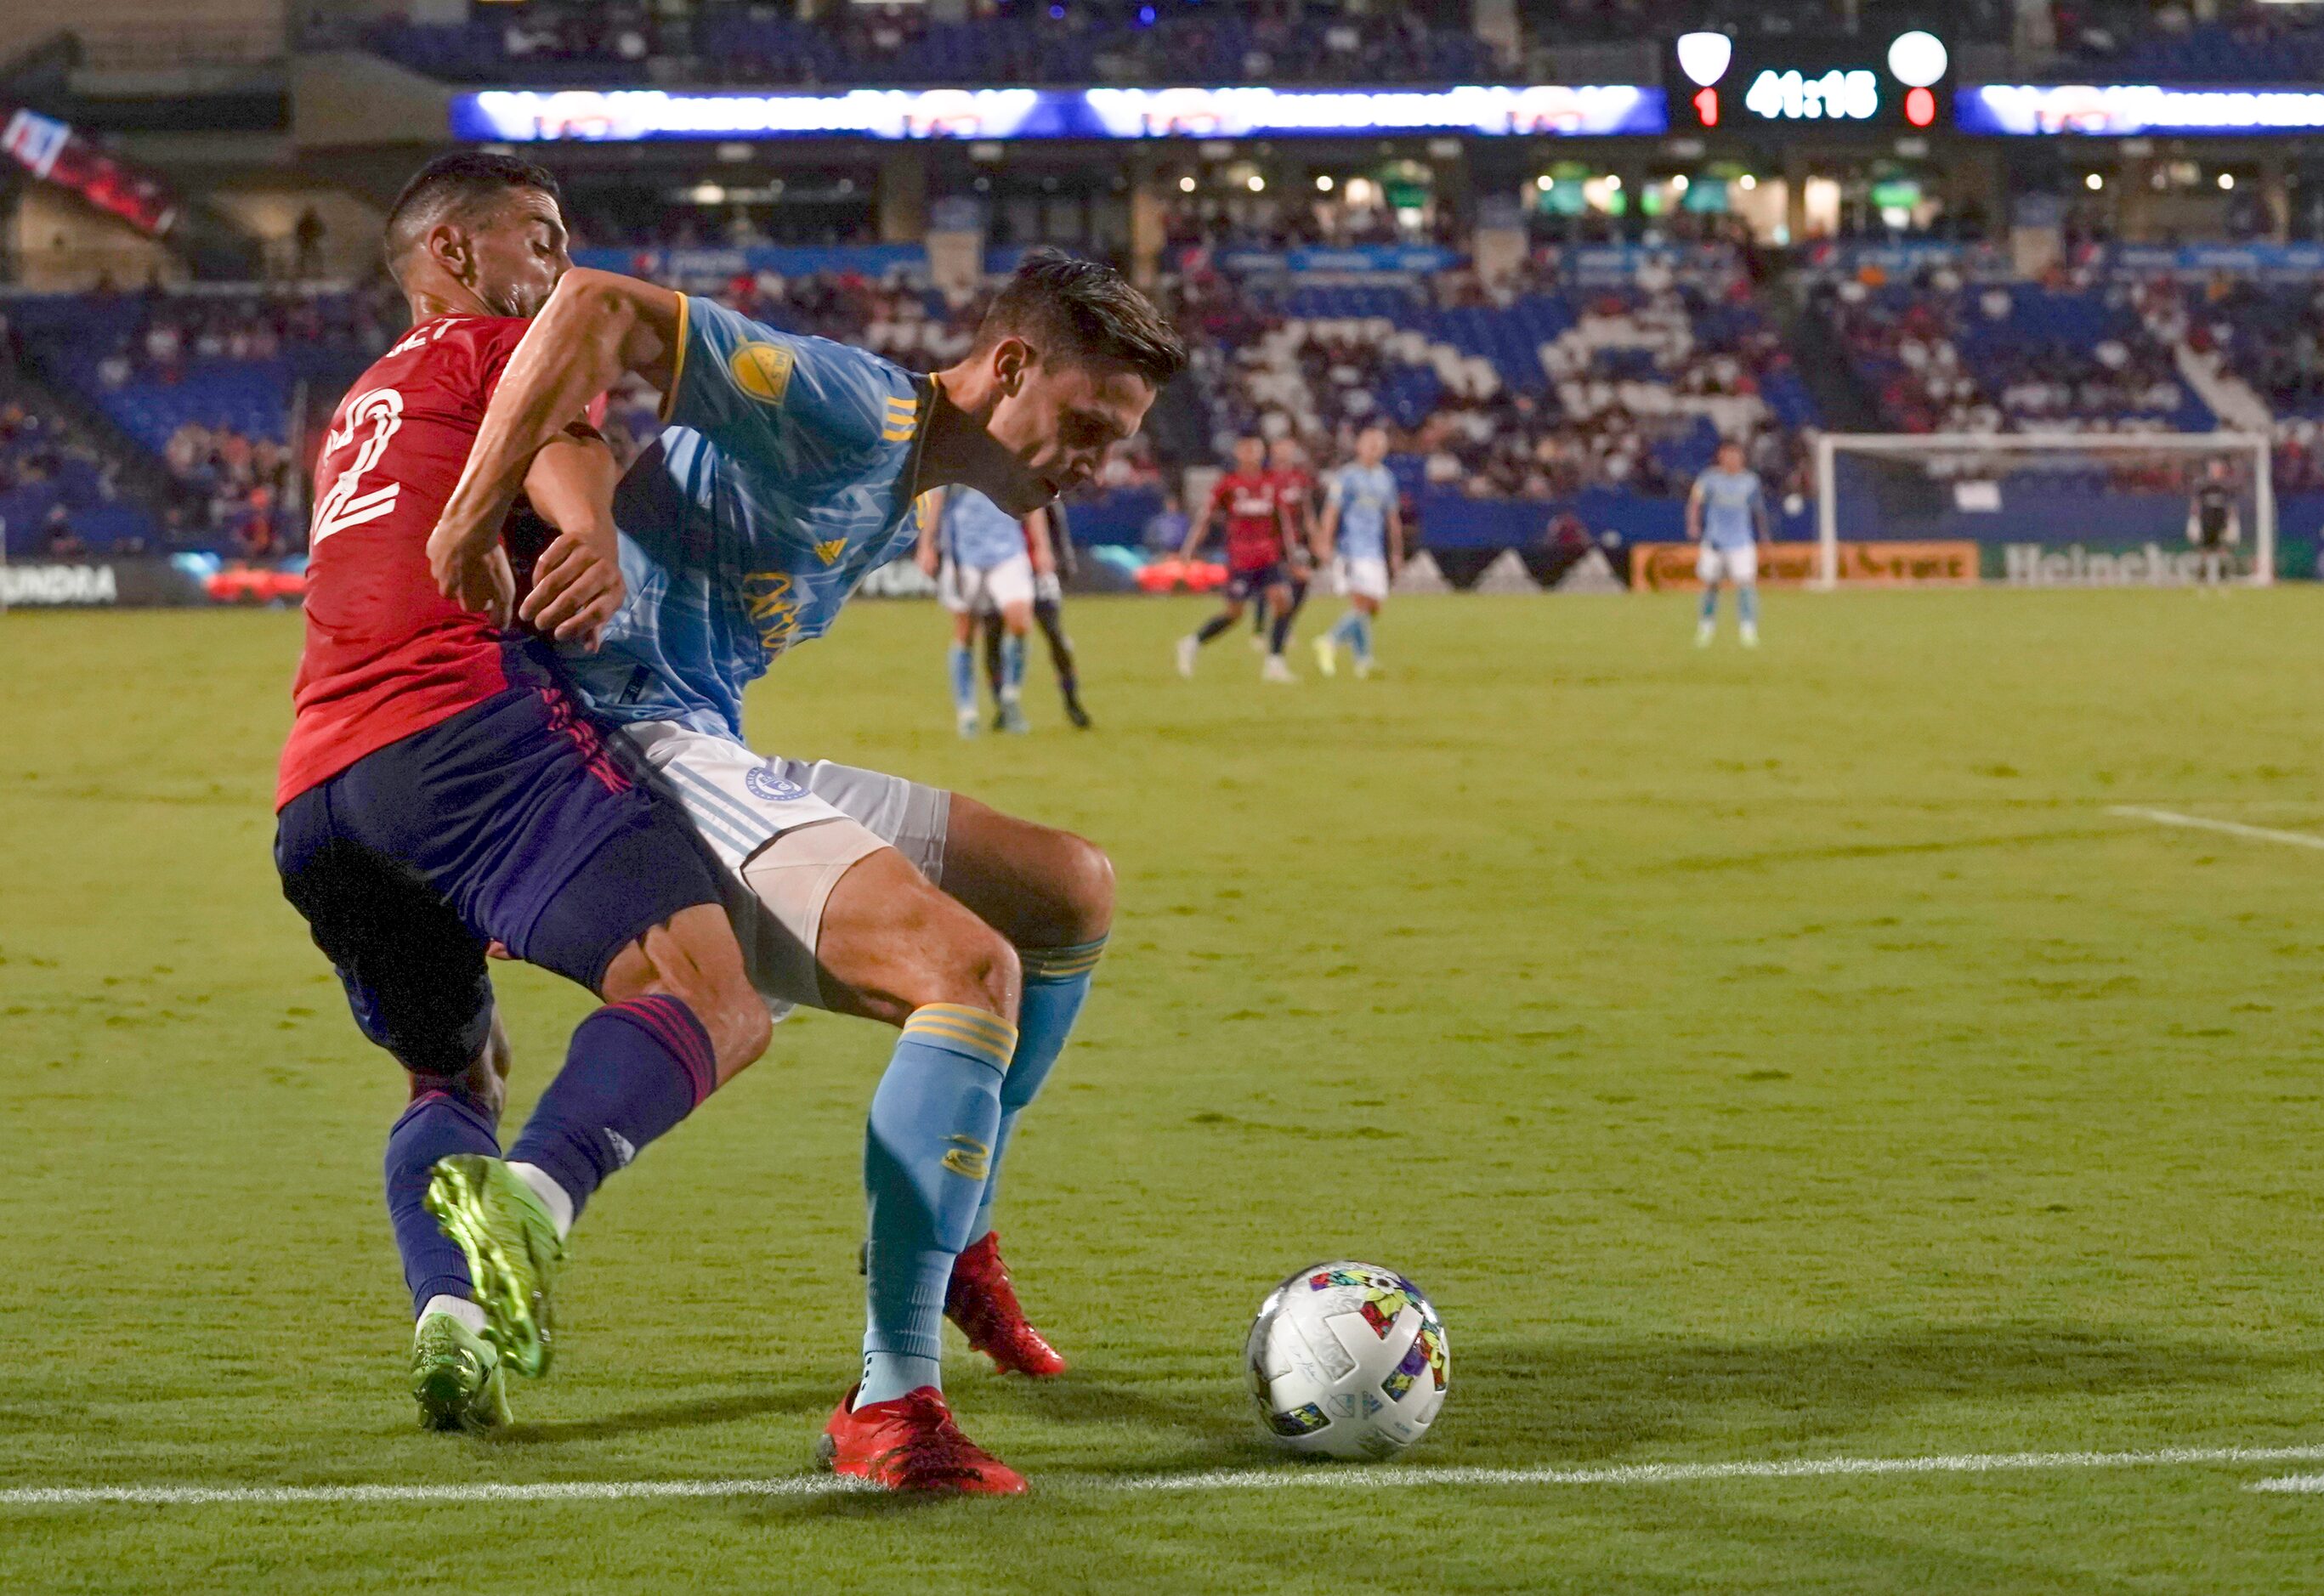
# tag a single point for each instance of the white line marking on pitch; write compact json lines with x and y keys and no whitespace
{"x":2292,"y":1484}
{"x":2257,"y":833}
{"x":1317,"y":1477}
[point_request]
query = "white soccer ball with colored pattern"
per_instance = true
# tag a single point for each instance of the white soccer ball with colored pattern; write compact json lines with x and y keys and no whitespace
{"x":1348,"y":1359}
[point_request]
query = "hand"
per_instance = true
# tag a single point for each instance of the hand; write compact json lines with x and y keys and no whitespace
{"x":926,"y":558}
{"x":475,"y":578}
{"x":575,"y":591}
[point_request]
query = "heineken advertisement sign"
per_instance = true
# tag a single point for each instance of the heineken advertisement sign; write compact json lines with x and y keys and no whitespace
{"x":2147,"y":564}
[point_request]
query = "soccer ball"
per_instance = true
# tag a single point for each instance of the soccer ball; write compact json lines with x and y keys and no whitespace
{"x":1348,"y":1359}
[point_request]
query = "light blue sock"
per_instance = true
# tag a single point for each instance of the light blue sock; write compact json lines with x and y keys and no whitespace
{"x":1012,"y":666}
{"x":1710,"y":604}
{"x":964,"y":680}
{"x":1056,"y":983}
{"x":1747,"y":603}
{"x":1363,"y":638}
{"x":928,"y":1153}
{"x":1346,"y":628}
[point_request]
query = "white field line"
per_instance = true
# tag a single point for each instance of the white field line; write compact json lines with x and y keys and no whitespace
{"x":2254,"y":834}
{"x":1321,"y":1477}
{"x":2292,"y":1484}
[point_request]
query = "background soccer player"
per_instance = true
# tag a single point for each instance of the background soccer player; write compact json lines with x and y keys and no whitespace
{"x":1295,"y":487}
{"x":441,"y":792}
{"x":1727,"y":514}
{"x":1049,"y":610}
{"x":789,"y":471}
{"x":1259,"y":554}
{"x":1363,"y":535}
{"x":983,"y":559}
{"x":2214,"y":523}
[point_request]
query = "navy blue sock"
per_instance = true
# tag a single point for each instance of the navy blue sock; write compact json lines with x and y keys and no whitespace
{"x":1213,"y":627}
{"x":436,"y":1126}
{"x":634,"y":1070}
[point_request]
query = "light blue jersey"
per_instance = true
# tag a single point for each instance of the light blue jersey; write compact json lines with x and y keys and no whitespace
{"x":1365,"y":495}
{"x":976,"y":533}
{"x":784,"y":476}
{"x":1729,"y":499}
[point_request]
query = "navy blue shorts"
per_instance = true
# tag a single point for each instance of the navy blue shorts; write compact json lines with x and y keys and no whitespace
{"x":1244,"y":585}
{"x":516,"y":822}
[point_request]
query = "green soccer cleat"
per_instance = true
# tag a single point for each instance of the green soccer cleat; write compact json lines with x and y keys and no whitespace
{"x":513,"y":1252}
{"x":456,"y":1377}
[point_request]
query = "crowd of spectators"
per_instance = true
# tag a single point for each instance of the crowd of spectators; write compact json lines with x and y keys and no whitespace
{"x":234,"y":487}
{"x":1000,"y":42}
{"x":2249,"y":41}
{"x":39,"y":450}
{"x":1629,"y":396}
{"x":175,"y":330}
{"x":1940,"y":355}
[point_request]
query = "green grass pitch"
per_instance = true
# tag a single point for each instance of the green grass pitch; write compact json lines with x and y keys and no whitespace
{"x":1757,"y":1057}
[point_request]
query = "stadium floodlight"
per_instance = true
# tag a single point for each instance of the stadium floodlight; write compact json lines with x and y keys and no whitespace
{"x":2066,"y":508}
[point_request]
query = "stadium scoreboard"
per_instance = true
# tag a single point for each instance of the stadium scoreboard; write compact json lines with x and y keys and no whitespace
{"x":1716,"y":82}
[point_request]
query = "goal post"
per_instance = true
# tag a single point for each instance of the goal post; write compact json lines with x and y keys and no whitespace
{"x":2044,"y":488}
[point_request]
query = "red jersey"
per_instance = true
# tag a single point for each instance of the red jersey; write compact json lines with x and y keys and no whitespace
{"x":1254,"y":518}
{"x":1295,"y":491}
{"x":387,"y":655}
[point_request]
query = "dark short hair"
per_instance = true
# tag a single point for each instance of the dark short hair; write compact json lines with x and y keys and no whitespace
{"x":454,"y":186}
{"x":1086,"y":311}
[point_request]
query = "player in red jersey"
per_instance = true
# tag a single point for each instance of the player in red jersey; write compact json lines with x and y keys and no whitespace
{"x":1258,"y":554}
{"x":442,"y":795}
{"x":1287,"y":466}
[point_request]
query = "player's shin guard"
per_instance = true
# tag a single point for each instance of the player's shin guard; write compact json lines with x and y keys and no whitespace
{"x":436,"y":1126}
{"x":964,"y":680}
{"x":1057,"y":984}
{"x":928,"y":1153}
{"x":633,"y":1071}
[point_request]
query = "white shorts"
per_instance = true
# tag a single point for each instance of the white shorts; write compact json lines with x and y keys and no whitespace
{"x":740,"y":804}
{"x":1363,"y":577}
{"x":1728,"y":565}
{"x":969,"y":590}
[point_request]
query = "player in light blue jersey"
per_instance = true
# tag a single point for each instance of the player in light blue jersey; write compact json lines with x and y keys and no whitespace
{"x":1362,"y":541}
{"x":789,"y":470}
{"x":1727,"y":514}
{"x":984,"y":559}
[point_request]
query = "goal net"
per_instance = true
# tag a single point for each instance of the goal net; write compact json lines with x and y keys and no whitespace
{"x":2056,"y":509}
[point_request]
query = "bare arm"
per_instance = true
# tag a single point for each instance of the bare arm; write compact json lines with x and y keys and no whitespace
{"x":596,"y":327}
{"x":1327,"y":531}
{"x":577,"y":586}
{"x":1395,"y":536}
{"x":1767,"y":520}
{"x":1196,"y":533}
{"x":1694,"y":515}
{"x":924,"y":552}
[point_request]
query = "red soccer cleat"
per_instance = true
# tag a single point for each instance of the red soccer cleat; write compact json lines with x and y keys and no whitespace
{"x":983,"y":1303}
{"x":911,"y":1444}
